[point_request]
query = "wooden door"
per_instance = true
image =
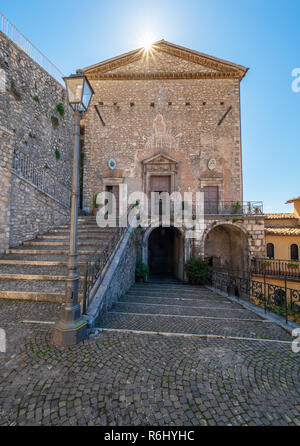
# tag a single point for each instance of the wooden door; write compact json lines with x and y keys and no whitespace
{"x":211,"y":199}
{"x":160,"y":184}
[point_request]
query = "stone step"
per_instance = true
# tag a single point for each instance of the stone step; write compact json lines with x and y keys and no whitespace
{"x":57,"y":272}
{"x":193,"y":325}
{"x":65,"y":243}
{"x":42,"y":257}
{"x":40,"y":250}
{"x":36,"y":286}
{"x":34,"y":296}
{"x":53,"y":270}
{"x":183,"y":310}
{"x":65,"y":238}
{"x":179,"y":301}
{"x":171,"y":293}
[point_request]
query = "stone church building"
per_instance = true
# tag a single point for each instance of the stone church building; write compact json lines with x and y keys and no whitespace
{"x":169,"y":120}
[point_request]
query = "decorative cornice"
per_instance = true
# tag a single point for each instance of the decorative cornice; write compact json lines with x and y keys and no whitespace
{"x":150,"y":76}
{"x":222,"y":69}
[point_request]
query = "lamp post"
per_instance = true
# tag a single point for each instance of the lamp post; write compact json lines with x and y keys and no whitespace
{"x":71,"y":327}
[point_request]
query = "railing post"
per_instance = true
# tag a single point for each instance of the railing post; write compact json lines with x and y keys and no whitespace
{"x":265,"y":297}
{"x":286,"y":302}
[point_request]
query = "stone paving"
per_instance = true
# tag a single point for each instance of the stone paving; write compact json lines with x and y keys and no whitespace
{"x":125,"y":379}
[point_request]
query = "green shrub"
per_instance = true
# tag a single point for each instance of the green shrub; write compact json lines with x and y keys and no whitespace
{"x":57,"y":154}
{"x":141,"y":270}
{"x":60,"y":108}
{"x":197,"y":271}
{"x":36,"y":99}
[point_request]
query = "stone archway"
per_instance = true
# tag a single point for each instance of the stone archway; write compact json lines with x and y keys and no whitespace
{"x":164,"y":252}
{"x":226,"y":246}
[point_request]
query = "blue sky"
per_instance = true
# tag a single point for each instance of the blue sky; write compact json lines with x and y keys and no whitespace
{"x":260,"y":34}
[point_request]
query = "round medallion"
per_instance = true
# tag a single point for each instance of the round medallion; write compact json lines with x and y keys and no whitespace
{"x":112,"y":163}
{"x":212,"y":164}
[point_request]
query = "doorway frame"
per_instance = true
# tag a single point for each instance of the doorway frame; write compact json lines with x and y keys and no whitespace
{"x":187,"y":247}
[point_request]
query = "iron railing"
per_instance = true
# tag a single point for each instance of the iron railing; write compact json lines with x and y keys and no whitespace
{"x":234,"y":208}
{"x":41,"y":178}
{"x":7,"y":28}
{"x":96,"y":264}
{"x":275,"y":298}
{"x":274,"y":267}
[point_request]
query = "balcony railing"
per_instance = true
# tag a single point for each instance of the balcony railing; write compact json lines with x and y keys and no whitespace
{"x":275,"y":298}
{"x":274,"y":267}
{"x":234,"y":208}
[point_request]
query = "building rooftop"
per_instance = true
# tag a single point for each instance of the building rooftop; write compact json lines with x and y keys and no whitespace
{"x":280,"y":216}
{"x":283,"y":231}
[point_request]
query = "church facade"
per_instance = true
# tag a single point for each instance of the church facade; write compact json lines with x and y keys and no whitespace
{"x":169,"y":120}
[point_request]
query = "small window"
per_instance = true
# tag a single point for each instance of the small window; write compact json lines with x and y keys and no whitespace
{"x":187,"y":104}
{"x":203,"y":103}
{"x":294,"y":252}
{"x":152,"y":104}
{"x":100,"y":103}
{"x":221,"y":103}
{"x":270,"y":251}
{"x":169,"y":103}
{"x":131,"y":104}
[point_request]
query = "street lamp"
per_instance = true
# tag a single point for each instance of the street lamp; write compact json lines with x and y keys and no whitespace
{"x":71,"y":327}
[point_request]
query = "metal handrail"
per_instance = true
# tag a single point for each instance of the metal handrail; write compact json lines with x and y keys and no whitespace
{"x":272,"y":297}
{"x":24,"y":167}
{"x":98,"y":261}
{"x":9,"y":29}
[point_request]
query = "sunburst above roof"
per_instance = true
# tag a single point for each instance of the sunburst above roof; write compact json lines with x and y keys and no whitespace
{"x":164,"y":61}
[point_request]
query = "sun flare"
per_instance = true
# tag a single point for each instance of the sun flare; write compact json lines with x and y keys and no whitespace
{"x":147,"y":42}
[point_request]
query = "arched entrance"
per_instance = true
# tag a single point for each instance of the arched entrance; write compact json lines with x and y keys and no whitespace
{"x":166,"y":253}
{"x":226,"y":246}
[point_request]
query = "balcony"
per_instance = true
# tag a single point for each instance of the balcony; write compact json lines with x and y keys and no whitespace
{"x":277,"y":268}
{"x":234,"y":208}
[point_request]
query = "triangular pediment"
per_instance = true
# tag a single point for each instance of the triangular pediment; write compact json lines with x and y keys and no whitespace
{"x":164,"y":61}
{"x":160,"y":158}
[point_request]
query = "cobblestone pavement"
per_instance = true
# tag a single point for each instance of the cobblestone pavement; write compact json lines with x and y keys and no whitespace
{"x":121,"y":378}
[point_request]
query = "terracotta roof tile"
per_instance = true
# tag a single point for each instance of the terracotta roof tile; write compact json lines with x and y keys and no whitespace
{"x":279,"y":216}
{"x":283,"y":231}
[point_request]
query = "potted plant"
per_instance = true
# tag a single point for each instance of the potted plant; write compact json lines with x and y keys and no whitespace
{"x":293,"y":265}
{"x":95,"y":205}
{"x":141,"y":272}
{"x":197,"y":271}
{"x":237,"y":206}
{"x":265,"y":264}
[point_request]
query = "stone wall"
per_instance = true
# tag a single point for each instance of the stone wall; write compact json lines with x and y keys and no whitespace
{"x":118,"y":279}
{"x":32,"y":212}
{"x":191,"y":120}
{"x":5,"y":186}
{"x":29,"y":101}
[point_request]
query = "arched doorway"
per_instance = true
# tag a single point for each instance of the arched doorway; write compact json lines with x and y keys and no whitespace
{"x":166,"y":253}
{"x":226,"y":246}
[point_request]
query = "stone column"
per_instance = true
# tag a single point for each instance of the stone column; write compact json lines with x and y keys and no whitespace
{"x":5,"y":186}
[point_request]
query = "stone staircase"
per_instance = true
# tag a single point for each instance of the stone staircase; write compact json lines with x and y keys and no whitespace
{"x":175,"y":308}
{"x":37,"y":269}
